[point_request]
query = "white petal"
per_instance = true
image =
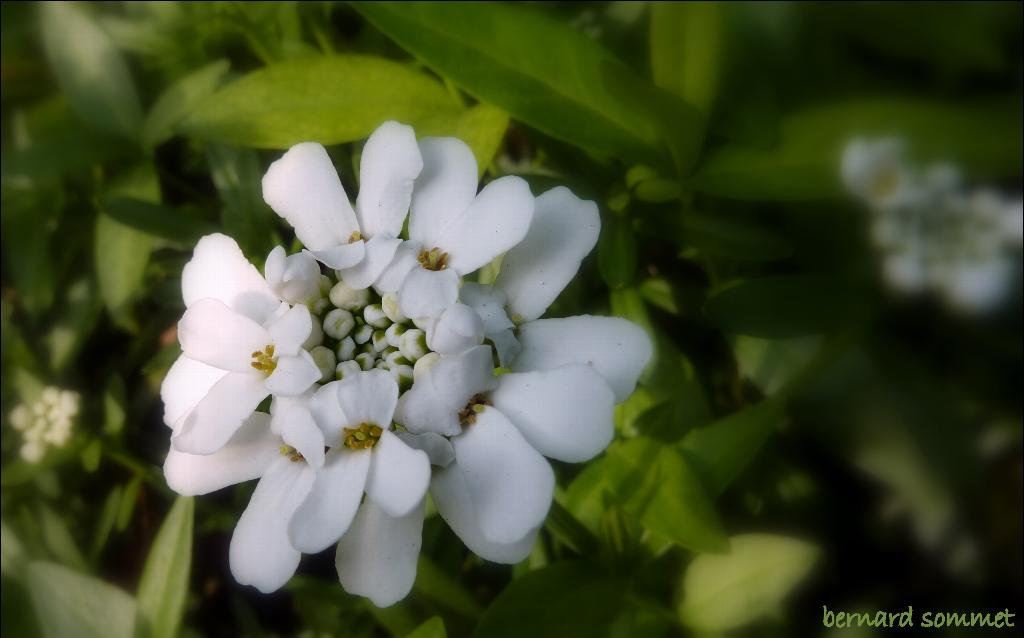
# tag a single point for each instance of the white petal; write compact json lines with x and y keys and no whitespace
{"x":185,"y":385}
{"x":368,"y":397}
{"x":563,"y":232}
{"x":390,"y":163}
{"x":450,"y":491}
{"x":399,"y":475}
{"x":617,"y":349}
{"x":298,"y":429}
{"x":219,"y":270}
{"x":488,"y":302}
{"x":497,"y":220}
{"x":377,"y":556}
{"x":507,"y":345}
{"x":332,"y":502}
{"x":403,"y":261}
{"x":510,"y":483}
{"x":565,"y":413}
{"x":212,"y":333}
{"x":433,"y":402}
{"x":293,"y":375}
{"x":979,"y":287}
{"x":326,"y":411}
{"x":345,"y":255}
{"x":380,"y":250}
{"x":290,"y":330}
{"x":438,"y":449}
{"x":294,"y":278}
{"x":443,"y":190}
{"x":458,"y":328}
{"x":303,"y":187}
{"x":222,"y":411}
{"x":260,"y":553}
{"x":245,"y":456}
{"x":426,"y":293}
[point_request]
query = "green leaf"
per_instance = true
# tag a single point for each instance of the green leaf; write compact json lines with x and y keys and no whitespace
{"x":180,"y":99}
{"x":433,"y":628}
{"x":157,"y":220}
{"x":482,"y":127}
{"x":105,"y":522}
{"x":68,"y":603}
{"x":236,"y":173}
{"x":57,"y":537}
{"x":541,"y":71}
{"x":121,"y":253}
{"x":328,"y":100}
{"x":686,"y":47}
{"x":91,"y":454}
{"x":654,"y":482}
{"x":163,"y":589}
{"x":727,"y":591}
{"x":565,"y":599}
{"x":784,"y":306}
{"x":732,"y":236}
{"x":616,"y":251}
{"x":720,"y":451}
{"x":89,"y":69}
{"x":131,"y":495}
{"x":436,"y":584}
{"x":986,"y":138}
{"x":28,"y":220}
{"x":770,"y":363}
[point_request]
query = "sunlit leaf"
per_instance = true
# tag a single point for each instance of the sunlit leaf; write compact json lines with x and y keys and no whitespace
{"x":80,"y":310}
{"x":542,"y":72}
{"x":68,"y":603}
{"x":163,"y":588}
{"x":433,"y":628}
{"x":175,"y":226}
{"x":90,"y":69}
{"x":731,"y":590}
{"x":325,"y":99}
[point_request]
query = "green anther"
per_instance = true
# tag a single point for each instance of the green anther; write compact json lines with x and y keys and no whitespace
{"x":363,"y":437}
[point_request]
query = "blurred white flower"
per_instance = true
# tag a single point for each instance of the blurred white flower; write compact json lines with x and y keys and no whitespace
{"x":931,"y":232}
{"x":45,"y":423}
{"x":303,"y":188}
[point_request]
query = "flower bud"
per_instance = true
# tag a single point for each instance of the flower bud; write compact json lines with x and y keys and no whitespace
{"x":424,"y":363}
{"x":348,"y":298}
{"x":346,"y":368}
{"x":363,"y":334}
{"x":338,"y":323}
{"x":346,"y":349}
{"x":389,"y":304}
{"x":413,"y":344}
{"x":394,"y":334}
{"x":324,"y":359}
{"x":396,"y":358}
{"x":365,"y":360}
{"x":320,"y":306}
{"x":380,"y":341}
{"x":375,"y":317}
{"x":403,"y":375}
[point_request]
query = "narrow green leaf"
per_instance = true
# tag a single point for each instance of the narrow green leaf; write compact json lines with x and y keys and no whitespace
{"x":89,"y":69}
{"x":80,"y":311}
{"x":433,"y":628}
{"x":720,"y":451}
{"x":436,"y":584}
{"x":244,"y":216}
{"x":722,"y":592}
{"x":179,"y":99}
{"x":326,"y":99}
{"x":541,"y":71}
{"x":68,"y":603}
{"x":131,"y":495}
{"x":686,"y":47}
{"x":616,"y":251}
{"x":163,"y":589}
{"x":58,"y":538}
{"x":982,"y":137}
{"x":105,"y":523}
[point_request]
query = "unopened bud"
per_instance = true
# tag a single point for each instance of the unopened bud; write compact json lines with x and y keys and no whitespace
{"x":346,"y":368}
{"x":325,"y":361}
{"x":389,"y":304}
{"x":394,"y":334}
{"x":346,"y":349}
{"x":338,"y":323}
{"x":424,"y":363}
{"x":413,"y":344}
{"x":374,"y":316}
{"x":380,"y":341}
{"x":348,"y":298}
{"x":315,"y":338}
{"x":363,"y":334}
{"x":403,"y":374}
{"x":365,"y":360}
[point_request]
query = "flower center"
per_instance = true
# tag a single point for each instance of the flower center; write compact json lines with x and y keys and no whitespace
{"x":264,"y":361}
{"x":292,"y":454}
{"x":355,"y":236}
{"x":467,"y":415}
{"x":886,"y":184}
{"x":434,"y":259}
{"x":363,"y":437}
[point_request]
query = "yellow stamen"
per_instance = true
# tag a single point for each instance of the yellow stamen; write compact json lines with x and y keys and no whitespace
{"x":292,"y":454}
{"x":264,"y":361}
{"x":363,"y":437}
{"x":433,"y":259}
{"x":467,"y":415}
{"x":355,"y":236}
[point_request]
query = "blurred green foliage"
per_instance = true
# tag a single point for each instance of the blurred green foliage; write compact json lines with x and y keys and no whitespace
{"x":803,"y":436}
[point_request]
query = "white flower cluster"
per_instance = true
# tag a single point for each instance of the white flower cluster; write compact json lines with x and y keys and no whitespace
{"x":388,"y":375}
{"x":934,"y":234}
{"x":45,"y":423}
